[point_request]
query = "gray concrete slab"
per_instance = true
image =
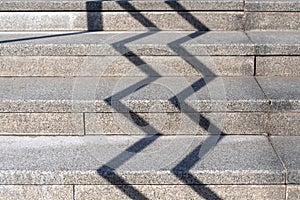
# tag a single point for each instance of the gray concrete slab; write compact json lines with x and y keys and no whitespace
{"x":180,"y":192}
{"x":284,"y":123}
{"x":163,"y":43}
{"x":120,"y":21}
{"x":272,"y":21}
{"x":42,"y":192}
{"x":276,"y":42}
{"x":104,"y":5}
{"x":41,"y":124}
{"x":277,"y":66}
{"x":126,"y":94}
{"x":272,"y":5}
{"x":175,"y":123}
{"x":122,"y":66}
{"x":288,"y":150}
{"x":283,"y":92}
{"x":152,"y":160}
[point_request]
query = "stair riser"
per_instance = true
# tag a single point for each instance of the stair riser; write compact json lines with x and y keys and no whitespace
{"x":122,"y":66}
{"x":119,"y":21}
{"x":178,"y":192}
{"x":186,"y":5}
{"x":38,"y":124}
{"x":138,"y":21}
{"x":272,"y":21}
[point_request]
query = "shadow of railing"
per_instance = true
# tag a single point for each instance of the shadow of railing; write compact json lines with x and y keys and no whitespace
{"x":181,"y":170}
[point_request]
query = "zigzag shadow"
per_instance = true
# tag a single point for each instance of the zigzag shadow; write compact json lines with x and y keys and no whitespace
{"x":181,"y":170}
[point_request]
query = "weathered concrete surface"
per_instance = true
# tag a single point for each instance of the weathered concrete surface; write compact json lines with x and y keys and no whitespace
{"x":120,"y":21}
{"x":277,"y":66}
{"x":152,"y":43}
{"x":41,"y":124}
{"x":131,"y":94}
{"x":276,"y":42}
{"x":36,"y":192}
{"x":124,"y":66}
{"x":180,"y":192}
{"x":288,"y":149}
{"x":138,"y":160}
{"x":140,"y":5}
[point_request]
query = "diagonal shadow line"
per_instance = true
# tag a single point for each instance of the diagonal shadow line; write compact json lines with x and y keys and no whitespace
{"x":42,"y":37}
{"x":181,"y":171}
{"x":192,"y":20}
{"x":137,"y":15}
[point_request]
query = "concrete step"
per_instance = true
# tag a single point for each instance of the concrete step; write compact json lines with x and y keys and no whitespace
{"x":137,"y":105}
{"x":121,"y":5}
{"x":153,"y":53}
{"x":121,"y":21}
{"x":69,"y":15}
{"x":170,"y":167}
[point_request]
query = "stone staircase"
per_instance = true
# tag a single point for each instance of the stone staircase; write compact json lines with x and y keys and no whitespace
{"x":141,"y":99}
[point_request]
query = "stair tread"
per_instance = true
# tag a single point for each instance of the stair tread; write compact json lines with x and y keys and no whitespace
{"x":288,"y":150}
{"x":283,"y":92}
{"x":139,"y":160}
{"x":185,"y":43}
{"x":138,"y":94}
{"x":182,"y":43}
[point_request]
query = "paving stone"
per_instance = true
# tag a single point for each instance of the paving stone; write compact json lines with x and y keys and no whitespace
{"x":272,"y":21}
{"x":175,"y":123}
{"x":276,"y":42}
{"x":293,"y":192}
{"x":131,"y":94}
{"x":138,"y":160}
{"x":120,"y":21}
{"x":184,"y":44}
{"x":124,"y":66}
{"x":272,"y":5}
{"x":36,"y":192}
{"x":288,"y":150}
{"x":283,"y":92}
{"x":277,"y":66}
{"x":94,"y":192}
{"x":82,"y":5}
{"x":41,"y":124}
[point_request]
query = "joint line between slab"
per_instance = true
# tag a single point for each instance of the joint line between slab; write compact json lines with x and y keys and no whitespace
{"x":282,"y":162}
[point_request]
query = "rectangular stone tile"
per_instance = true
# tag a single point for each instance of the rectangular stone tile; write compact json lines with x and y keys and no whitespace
{"x":272,"y":5}
{"x":276,"y":42}
{"x":134,"y":94}
{"x":36,"y":192}
{"x":284,"y":123}
{"x":124,"y":66}
{"x":139,"y":160}
{"x":288,"y":149}
{"x":120,"y":21}
{"x":69,"y":5}
{"x":277,"y":66}
{"x":272,"y":21}
{"x":248,"y":192}
{"x":175,"y":123}
{"x":152,"y":43}
{"x":283,"y":92}
{"x":293,"y":192}
{"x":41,"y":124}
